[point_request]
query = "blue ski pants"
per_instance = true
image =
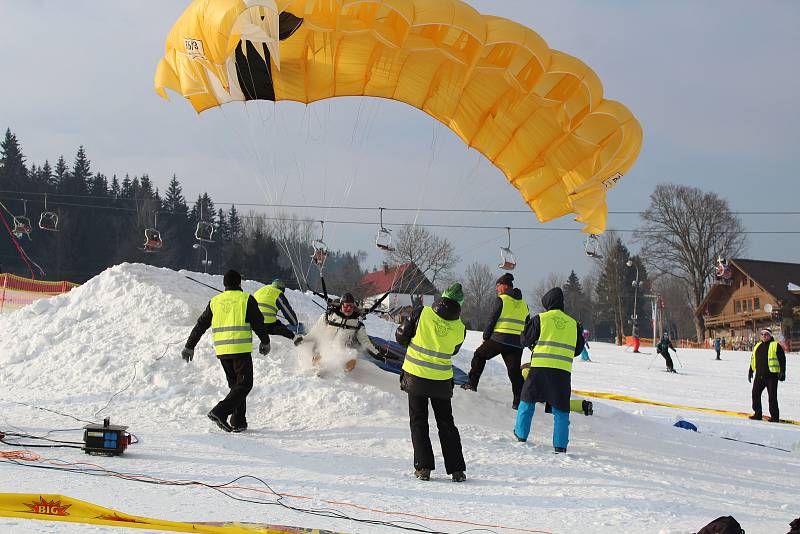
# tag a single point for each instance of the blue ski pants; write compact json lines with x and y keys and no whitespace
{"x":522,"y":428}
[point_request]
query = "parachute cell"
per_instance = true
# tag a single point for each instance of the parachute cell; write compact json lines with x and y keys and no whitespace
{"x":538,"y":114}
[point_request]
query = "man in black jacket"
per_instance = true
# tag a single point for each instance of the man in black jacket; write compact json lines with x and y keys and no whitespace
{"x":433,"y":335}
{"x":231,"y":315}
{"x":502,"y":336}
{"x":769,"y":365}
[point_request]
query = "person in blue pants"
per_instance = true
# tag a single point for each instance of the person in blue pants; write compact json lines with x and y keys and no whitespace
{"x":555,"y":340}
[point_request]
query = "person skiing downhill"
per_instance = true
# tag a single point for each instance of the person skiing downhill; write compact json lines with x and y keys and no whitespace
{"x":585,"y":351}
{"x":663,"y":349}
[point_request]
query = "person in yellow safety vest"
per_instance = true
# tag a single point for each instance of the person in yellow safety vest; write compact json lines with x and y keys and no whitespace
{"x":769,"y":365}
{"x":555,"y":339}
{"x":432,"y":336}
{"x":231,"y":315}
{"x":271,"y":300}
{"x":502,"y":336}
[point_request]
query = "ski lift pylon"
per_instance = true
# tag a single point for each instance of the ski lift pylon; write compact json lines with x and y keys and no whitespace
{"x":48,"y":220}
{"x":22,"y":224}
{"x":592,"y":247}
{"x":320,"y":252}
{"x":383,"y":239}
{"x":152,"y":237}
{"x":507,"y":261}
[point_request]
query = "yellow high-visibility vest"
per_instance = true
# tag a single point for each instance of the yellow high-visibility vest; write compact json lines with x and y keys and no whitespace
{"x":512,"y":316}
{"x":772,"y":357}
{"x":230,"y":330}
{"x":558,"y":337}
{"x":267,"y":298}
{"x":430,"y":352}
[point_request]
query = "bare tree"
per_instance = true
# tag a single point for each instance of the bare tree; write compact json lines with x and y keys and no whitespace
{"x":434,"y":256}
{"x":545,"y":284}
{"x":478,"y":295}
{"x":683,"y":232}
{"x":678,"y":310}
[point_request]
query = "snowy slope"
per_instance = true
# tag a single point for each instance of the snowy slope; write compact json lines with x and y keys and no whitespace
{"x":344,"y":437}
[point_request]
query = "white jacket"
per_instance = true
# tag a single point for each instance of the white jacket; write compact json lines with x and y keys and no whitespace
{"x":349,"y":331}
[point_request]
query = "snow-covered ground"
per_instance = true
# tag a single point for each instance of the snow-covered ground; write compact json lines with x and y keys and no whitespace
{"x":345,"y":438}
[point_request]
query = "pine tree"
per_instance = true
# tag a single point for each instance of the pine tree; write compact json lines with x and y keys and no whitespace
{"x":174,"y":201}
{"x":47,"y":178}
{"x":98,"y":186}
{"x":127,"y":187}
{"x":574,"y":299}
{"x":145,"y":187}
{"x":13,"y":173}
{"x":223,"y":227}
{"x":235,"y":224}
{"x":115,"y":190}
{"x":81,"y":173}
{"x":61,"y":175}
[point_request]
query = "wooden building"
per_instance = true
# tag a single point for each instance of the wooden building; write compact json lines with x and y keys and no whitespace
{"x":751,"y":295}
{"x":407,"y":286}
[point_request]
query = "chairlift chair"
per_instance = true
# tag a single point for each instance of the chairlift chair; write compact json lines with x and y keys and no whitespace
{"x":48,"y":220}
{"x":507,"y":261}
{"x":383,"y":239}
{"x":153,"y":242}
{"x":22,"y":224}
{"x":320,"y":253}
{"x":152,"y":237}
{"x":204,"y":232}
{"x":592,"y":247}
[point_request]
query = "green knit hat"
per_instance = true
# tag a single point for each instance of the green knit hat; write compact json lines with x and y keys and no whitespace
{"x":454,"y":292}
{"x":278,"y":284}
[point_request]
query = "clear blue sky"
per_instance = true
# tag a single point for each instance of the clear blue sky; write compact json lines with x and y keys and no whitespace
{"x":714,"y":84}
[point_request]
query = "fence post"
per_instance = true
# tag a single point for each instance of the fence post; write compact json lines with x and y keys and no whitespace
{"x":3,"y":295}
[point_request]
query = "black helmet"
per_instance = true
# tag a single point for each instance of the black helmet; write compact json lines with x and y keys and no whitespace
{"x":348,"y":297}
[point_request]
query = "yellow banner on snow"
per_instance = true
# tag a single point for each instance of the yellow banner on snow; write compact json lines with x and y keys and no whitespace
{"x":60,"y":508}
{"x":625,"y":398}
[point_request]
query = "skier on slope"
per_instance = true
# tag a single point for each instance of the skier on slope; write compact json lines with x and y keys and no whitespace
{"x":585,"y":352}
{"x":663,"y":349}
{"x":272,"y":299}
{"x":341,"y":323}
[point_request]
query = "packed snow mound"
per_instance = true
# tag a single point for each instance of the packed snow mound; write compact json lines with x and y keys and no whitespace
{"x":125,"y":328}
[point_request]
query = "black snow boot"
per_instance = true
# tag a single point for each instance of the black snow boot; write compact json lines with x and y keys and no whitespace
{"x":222,"y":423}
{"x":560,"y":450}
{"x":459,"y":476}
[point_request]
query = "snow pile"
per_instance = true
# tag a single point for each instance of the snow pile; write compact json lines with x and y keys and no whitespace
{"x":344,"y":436}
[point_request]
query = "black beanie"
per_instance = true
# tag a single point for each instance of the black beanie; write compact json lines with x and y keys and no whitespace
{"x":507,"y":279}
{"x":232,"y":279}
{"x":348,"y":297}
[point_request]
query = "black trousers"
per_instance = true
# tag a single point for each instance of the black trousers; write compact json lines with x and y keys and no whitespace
{"x":770,"y":383}
{"x":512,"y":356}
{"x":239,"y":373}
{"x":667,"y":357}
{"x":449,"y":437}
{"x":279,"y":329}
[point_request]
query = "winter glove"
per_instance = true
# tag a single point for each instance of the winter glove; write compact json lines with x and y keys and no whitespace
{"x":187,"y":354}
{"x":782,"y":378}
{"x":264,"y":348}
{"x":297,"y":340}
{"x":749,"y":375}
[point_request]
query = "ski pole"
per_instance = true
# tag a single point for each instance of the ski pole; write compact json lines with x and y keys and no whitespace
{"x":679,"y":360}
{"x":202,"y":284}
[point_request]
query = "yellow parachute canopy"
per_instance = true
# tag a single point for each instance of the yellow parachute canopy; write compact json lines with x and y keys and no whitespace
{"x":538,"y":114}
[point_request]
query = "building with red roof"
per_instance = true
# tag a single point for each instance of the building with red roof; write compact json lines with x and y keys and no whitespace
{"x":406,"y":285}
